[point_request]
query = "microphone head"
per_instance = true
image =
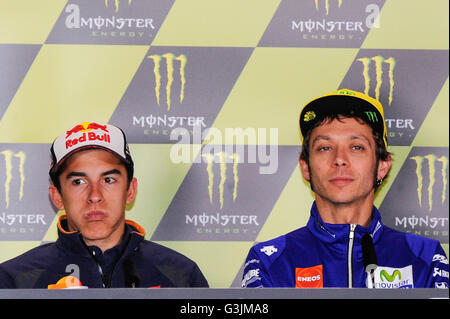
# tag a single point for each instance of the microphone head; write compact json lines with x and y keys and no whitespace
{"x":131,"y":274}
{"x":368,"y":250}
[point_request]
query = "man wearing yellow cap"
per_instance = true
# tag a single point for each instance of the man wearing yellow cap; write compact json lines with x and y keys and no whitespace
{"x":345,"y":244}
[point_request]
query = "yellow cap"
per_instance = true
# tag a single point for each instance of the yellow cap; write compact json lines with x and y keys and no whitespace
{"x":347,"y":103}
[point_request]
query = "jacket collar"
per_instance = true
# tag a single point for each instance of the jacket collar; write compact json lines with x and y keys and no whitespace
{"x":73,"y":240}
{"x":331,"y":233}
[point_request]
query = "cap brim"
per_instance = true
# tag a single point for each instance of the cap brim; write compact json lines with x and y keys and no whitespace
{"x":56,"y":167}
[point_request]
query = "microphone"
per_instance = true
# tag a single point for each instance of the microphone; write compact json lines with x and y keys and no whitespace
{"x":369,"y":259}
{"x":130,"y":273}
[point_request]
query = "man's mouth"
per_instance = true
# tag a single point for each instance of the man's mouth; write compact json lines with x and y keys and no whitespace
{"x":341,"y":181}
{"x":95,"y":215}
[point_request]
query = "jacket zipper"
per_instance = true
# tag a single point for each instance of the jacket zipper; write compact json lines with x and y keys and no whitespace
{"x":109,"y":280}
{"x":351,"y":237}
{"x":106,"y":281}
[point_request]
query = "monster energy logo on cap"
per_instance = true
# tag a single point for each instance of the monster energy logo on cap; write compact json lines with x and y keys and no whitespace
{"x":372,"y":116}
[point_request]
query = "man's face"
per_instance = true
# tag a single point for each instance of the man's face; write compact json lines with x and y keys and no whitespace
{"x":94,"y":193}
{"x":342,"y":162}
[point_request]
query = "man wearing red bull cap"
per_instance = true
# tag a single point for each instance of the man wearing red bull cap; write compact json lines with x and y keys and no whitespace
{"x":92,"y":176}
{"x":345,"y":244}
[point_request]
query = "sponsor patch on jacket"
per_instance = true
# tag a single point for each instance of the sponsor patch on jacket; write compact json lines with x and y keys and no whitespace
{"x":269,"y":250}
{"x":310,"y":277}
{"x":388,"y":277}
{"x":250,"y":277}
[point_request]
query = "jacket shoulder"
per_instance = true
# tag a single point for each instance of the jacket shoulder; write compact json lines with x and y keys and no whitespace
{"x":34,"y":257}
{"x":179,"y":269}
{"x":24,"y":270}
{"x":269,"y":251}
{"x":160,"y":254}
{"x":421,"y":247}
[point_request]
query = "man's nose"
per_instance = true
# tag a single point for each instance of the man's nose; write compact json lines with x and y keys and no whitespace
{"x":341,"y":158}
{"x":95,"y":194}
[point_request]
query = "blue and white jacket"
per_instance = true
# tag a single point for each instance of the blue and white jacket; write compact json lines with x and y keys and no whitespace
{"x":330,"y":255}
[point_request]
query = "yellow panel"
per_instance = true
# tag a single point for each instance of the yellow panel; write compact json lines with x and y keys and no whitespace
{"x":292,"y":209}
{"x":158,"y":181}
{"x":434,"y":130}
{"x":399,"y":155}
{"x":25,"y":21}
{"x":277,"y":82}
{"x":52,"y":232}
{"x":68,"y":84}
{"x":445,"y":247}
{"x":411,"y":24}
{"x":11,"y":249}
{"x":216,"y":23}
{"x":219,"y":262}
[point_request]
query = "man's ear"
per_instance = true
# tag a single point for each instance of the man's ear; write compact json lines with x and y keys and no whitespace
{"x":384,"y":167}
{"x":56,"y":197}
{"x":304,"y":167}
{"x":132,"y":189}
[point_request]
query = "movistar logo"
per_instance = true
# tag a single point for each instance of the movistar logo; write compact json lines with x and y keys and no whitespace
{"x":384,"y":274}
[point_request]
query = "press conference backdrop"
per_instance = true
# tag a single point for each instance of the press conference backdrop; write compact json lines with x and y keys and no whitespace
{"x":209,"y":93}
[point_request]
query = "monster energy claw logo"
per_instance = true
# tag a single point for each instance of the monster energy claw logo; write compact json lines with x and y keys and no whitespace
{"x":431,"y":159}
{"x":8,"y":158}
{"x":327,"y":5}
{"x":372,"y":116}
{"x":384,"y":275}
{"x":116,"y":4}
{"x":170,"y":58}
{"x":379,"y":60}
{"x":223,"y":170}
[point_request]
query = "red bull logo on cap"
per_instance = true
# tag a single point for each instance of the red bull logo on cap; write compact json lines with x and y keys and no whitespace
{"x":91,"y":131}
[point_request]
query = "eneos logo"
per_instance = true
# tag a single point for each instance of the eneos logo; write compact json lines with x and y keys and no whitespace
{"x":311,"y":277}
{"x":86,"y":129}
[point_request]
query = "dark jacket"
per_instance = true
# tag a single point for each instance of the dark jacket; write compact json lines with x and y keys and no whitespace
{"x":134,"y":262}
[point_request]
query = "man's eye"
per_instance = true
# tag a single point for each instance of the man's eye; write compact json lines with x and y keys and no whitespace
{"x":324,"y":148}
{"x":358,"y":147}
{"x":110,"y":180}
{"x":78,"y":181}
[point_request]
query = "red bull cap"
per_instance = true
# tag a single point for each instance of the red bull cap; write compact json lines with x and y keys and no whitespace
{"x":87,"y":135}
